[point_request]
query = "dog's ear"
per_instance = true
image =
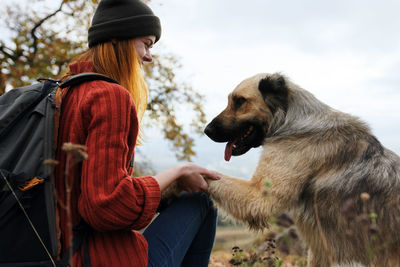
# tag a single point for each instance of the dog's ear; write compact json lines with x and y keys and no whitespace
{"x":274,"y":90}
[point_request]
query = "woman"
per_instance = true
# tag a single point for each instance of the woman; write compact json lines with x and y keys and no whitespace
{"x":105,"y":117}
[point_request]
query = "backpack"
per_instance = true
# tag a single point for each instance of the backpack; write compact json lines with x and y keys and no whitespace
{"x":28,"y":235}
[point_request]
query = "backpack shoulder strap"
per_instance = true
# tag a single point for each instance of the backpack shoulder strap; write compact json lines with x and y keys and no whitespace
{"x":85,"y":77}
{"x":72,"y":81}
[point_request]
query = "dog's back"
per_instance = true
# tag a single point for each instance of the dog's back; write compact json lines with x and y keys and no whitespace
{"x":349,"y":207}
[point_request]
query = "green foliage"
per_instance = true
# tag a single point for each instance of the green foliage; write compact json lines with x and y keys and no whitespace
{"x":43,"y":41}
{"x":267,"y":183}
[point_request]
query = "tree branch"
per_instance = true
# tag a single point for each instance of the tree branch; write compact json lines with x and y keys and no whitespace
{"x":2,"y":49}
{"x":35,"y":38}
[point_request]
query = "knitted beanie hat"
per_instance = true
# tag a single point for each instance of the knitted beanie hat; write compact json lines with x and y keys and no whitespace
{"x":122,"y":19}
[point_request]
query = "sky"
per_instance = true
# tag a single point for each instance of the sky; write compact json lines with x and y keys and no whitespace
{"x":346,"y":52}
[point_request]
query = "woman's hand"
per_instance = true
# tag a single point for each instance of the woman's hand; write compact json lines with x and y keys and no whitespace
{"x":190,"y":177}
{"x":193,"y":177}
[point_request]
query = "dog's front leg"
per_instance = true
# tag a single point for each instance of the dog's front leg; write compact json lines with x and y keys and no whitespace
{"x":246,"y":201}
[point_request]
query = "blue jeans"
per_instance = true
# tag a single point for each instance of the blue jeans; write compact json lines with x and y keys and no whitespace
{"x":184,"y":232}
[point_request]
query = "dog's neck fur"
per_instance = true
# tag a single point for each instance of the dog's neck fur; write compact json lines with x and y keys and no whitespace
{"x":306,"y":114}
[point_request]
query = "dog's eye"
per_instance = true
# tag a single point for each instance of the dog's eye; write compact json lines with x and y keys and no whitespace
{"x":239,"y":101}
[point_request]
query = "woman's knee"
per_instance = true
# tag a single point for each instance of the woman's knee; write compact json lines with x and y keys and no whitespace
{"x":202,"y":201}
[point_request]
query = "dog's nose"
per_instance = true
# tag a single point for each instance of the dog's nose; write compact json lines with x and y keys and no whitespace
{"x":215,"y":132}
{"x":209,"y":131}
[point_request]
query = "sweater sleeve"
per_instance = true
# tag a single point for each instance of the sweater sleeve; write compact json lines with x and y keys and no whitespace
{"x":110,"y":198}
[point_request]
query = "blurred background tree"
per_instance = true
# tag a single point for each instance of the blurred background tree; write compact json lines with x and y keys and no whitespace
{"x":41,"y":41}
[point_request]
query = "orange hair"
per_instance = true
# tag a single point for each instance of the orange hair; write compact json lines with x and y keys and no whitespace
{"x":118,"y":60}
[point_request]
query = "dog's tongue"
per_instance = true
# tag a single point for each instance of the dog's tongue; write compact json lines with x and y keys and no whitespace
{"x":228,"y":151}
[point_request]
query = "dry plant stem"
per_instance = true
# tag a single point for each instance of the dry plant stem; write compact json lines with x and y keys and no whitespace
{"x":323,"y":238}
{"x":75,"y":154}
{"x":68,"y":186}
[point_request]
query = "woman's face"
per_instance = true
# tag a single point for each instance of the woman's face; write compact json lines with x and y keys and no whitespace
{"x":143,"y":46}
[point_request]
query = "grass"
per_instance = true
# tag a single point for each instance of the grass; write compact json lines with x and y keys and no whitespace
{"x":230,"y":236}
{"x":226,"y":238}
{"x":280,"y":246}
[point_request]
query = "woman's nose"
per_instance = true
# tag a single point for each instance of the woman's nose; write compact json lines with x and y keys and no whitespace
{"x":147,"y":57}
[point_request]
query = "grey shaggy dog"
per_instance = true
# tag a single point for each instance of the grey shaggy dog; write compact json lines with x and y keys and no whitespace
{"x":324,"y":166}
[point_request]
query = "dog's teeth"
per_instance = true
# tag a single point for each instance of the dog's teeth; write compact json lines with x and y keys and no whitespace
{"x":249,"y":131}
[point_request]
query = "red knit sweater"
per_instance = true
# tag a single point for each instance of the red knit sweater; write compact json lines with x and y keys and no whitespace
{"x":102,"y":116}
